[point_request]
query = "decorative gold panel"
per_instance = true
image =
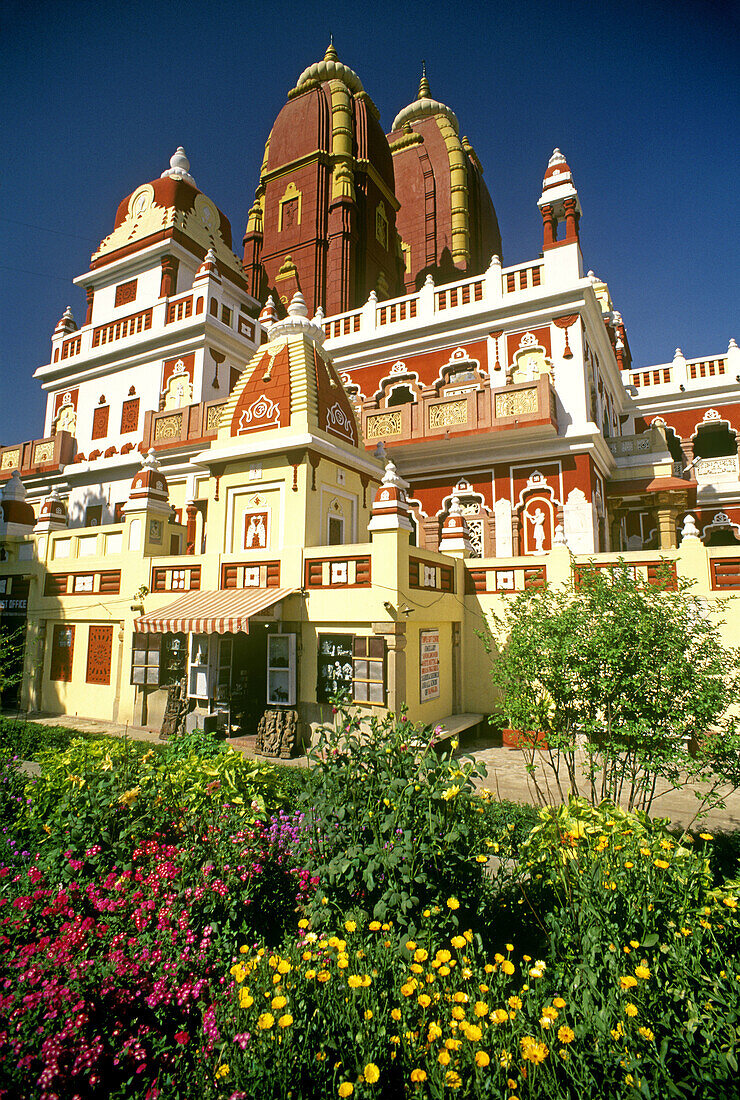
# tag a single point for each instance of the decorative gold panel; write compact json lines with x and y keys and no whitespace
{"x":213,"y":418}
{"x":168,"y":427}
{"x":383,"y":425}
{"x":10,"y":460}
{"x":452,"y":412}
{"x":516,"y":403}
{"x":43,"y":452}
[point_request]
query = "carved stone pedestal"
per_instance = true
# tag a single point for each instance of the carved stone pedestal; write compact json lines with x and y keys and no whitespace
{"x":277,"y":733}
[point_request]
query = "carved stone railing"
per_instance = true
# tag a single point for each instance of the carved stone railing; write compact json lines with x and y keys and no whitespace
{"x":709,"y":471}
{"x":37,"y":456}
{"x":177,"y":427}
{"x":440,"y":414}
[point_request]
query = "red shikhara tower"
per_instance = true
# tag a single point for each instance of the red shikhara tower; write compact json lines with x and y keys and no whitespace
{"x":341,"y":210}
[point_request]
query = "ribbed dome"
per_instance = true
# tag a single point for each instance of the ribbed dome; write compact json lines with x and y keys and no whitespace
{"x":331,"y":68}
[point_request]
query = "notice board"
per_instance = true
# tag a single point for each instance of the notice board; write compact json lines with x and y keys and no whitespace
{"x":428,"y":665}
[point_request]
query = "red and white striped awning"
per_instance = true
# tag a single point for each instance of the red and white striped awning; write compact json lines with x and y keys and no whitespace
{"x":227,"y":611}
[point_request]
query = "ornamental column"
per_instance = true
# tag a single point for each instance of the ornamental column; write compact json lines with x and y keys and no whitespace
{"x":549,"y":226}
{"x":168,"y":285}
{"x":90,"y":293}
{"x":667,"y":515}
{"x":571,"y":219}
{"x":191,"y":510}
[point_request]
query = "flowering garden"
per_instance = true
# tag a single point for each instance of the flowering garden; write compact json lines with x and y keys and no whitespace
{"x":182,"y":922}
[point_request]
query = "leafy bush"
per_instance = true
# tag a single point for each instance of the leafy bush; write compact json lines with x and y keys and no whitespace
{"x":621,"y":676}
{"x":28,"y":739}
{"x":393,"y":824}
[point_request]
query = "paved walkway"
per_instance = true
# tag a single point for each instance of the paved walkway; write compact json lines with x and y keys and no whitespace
{"x":507,"y":773}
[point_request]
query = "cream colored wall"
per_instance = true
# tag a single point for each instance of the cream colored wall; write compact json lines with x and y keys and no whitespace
{"x":432,"y":711}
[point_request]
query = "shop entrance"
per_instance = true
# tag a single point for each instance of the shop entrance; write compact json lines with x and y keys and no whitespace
{"x":242,"y":679}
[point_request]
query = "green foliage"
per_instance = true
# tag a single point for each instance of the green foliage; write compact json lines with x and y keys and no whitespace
{"x":27,"y":739}
{"x":621,"y":676}
{"x":11,"y":659}
{"x":393,"y":823}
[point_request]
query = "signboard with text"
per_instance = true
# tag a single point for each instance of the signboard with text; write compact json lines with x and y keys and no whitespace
{"x":428,"y":665}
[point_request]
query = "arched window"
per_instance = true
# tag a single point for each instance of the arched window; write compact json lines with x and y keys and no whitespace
{"x":400,"y":395}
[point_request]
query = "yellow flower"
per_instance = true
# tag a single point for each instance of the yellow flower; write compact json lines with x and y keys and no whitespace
{"x":310,"y":974}
{"x":558,"y":1002}
{"x":630,"y":1009}
{"x":350,"y":926}
{"x":410,"y":945}
{"x":435,"y":1032}
{"x":453,"y":903}
{"x":730,"y":902}
{"x":238,"y":972}
{"x":642,"y":972}
{"x":507,"y":967}
{"x":515,"y":1002}
{"x":458,"y":1013}
{"x":245,"y":1001}
{"x":372,"y":1073}
{"x":346,"y":1089}
{"x":127,"y":799}
{"x":417,"y":1076}
{"x":265,"y":1021}
{"x":222,"y":1071}
{"x":286,"y":1020}
{"x":500,"y":1015}
{"x":279,"y":1002}
{"x":481,"y":1059}
{"x":480,"y":1008}
{"x":634,"y":943}
{"x":646,"y":1033}
{"x":354,"y":981}
{"x":550,"y":1012}
{"x":481,"y":859}
{"x":408,"y":989}
{"x":706,"y":836}
{"x":627,"y":982}
{"x":458,"y":942}
{"x":505,"y":1059}
{"x":396,"y":1013}
{"x":566,"y":1034}
{"x":473,"y":1033}
{"x":453,"y":1080}
{"x":424,"y":1000}
{"x":443,"y":1057}
{"x":442,"y":956}
{"x":660,"y":863}
{"x":374,"y":925}
{"x":368,"y":1014}
{"x":323,"y":976}
{"x":532,"y":1051}
{"x":303,"y":923}
{"x":284,"y":967}
{"x":366,"y":981}
{"x":421,"y":955}
{"x":460,"y":998}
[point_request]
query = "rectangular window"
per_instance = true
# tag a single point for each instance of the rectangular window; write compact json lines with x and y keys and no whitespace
{"x":336,"y":531}
{"x":62,"y":649}
{"x":145,"y":659}
{"x":226,"y":315}
{"x":126,"y":293}
{"x":100,"y":422}
{"x":93,"y":515}
{"x":281,"y":669}
{"x":99,"y":649}
{"x":351,"y":665}
{"x":130,"y":416}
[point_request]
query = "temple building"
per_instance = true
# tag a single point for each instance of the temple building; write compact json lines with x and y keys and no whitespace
{"x":318,"y":466}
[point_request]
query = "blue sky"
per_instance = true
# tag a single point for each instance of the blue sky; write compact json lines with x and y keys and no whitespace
{"x":643,"y":98}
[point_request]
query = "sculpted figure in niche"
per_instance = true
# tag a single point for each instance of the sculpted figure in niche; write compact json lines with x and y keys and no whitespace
{"x":538,"y":530}
{"x":256,"y":532}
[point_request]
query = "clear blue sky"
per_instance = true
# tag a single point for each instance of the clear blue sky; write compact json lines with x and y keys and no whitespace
{"x":643,"y":98}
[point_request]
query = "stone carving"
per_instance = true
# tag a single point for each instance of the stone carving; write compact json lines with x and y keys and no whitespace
{"x":43,"y":452}
{"x":168,"y":427}
{"x":10,"y":459}
{"x":689,"y":529}
{"x":175,"y":711}
{"x":538,"y":529}
{"x":475,"y":532}
{"x":213,"y":418}
{"x":707,"y":469}
{"x":578,"y":522}
{"x":383,"y":425}
{"x":338,"y":422}
{"x":516,"y":404}
{"x":277,"y":733}
{"x":451,"y":412}
{"x":263,"y":413}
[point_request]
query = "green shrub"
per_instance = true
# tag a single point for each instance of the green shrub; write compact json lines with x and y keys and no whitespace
{"x":393,"y":825}
{"x":28,"y":739}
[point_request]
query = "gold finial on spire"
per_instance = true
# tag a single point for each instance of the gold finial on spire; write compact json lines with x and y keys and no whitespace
{"x":424,"y":92}
{"x":331,"y":54}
